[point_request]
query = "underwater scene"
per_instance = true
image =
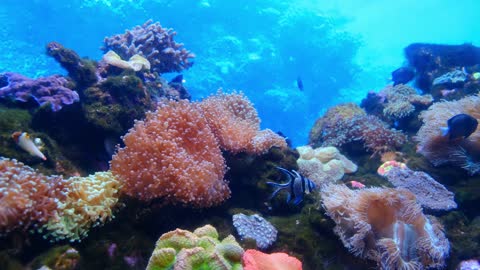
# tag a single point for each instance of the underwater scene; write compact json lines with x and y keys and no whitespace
{"x":228,"y":135}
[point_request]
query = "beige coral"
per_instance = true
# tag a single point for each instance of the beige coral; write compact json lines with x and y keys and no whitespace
{"x":386,"y":225}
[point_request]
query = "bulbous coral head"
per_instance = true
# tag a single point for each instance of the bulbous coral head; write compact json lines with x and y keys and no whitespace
{"x":201,"y":249}
{"x":386,"y":225}
{"x":256,"y":260}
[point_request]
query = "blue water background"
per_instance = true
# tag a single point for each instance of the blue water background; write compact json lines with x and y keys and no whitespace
{"x":340,"y":49}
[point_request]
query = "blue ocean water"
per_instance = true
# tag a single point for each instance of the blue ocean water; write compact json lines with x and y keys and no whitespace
{"x":340,"y":49}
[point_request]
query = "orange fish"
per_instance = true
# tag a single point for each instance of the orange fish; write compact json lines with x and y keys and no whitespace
{"x":357,"y":184}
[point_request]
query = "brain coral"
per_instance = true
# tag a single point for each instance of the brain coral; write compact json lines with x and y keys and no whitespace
{"x":184,"y":250}
{"x":174,"y":155}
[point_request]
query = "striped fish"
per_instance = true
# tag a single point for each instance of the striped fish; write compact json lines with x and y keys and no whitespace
{"x":297,"y":186}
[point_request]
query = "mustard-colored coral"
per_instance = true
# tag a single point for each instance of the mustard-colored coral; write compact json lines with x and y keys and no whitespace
{"x":401,"y":100}
{"x":89,"y":202}
{"x":201,"y":249}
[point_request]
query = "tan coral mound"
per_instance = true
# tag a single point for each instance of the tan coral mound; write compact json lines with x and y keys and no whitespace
{"x":386,"y":225}
{"x":439,"y":149}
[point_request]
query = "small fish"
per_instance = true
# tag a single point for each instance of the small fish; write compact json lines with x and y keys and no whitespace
{"x":402,"y":75}
{"x":356,"y":184}
{"x":177,"y":79}
{"x":460,"y":125}
{"x":23,"y":140}
{"x":297,"y":186}
{"x":299,"y":83}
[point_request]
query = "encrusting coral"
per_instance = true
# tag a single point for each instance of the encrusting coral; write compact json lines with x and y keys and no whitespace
{"x":440,"y":149}
{"x":200,"y":249}
{"x":386,"y":225}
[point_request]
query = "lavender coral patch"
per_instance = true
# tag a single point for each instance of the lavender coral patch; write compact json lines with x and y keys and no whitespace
{"x":255,"y":227}
{"x":430,"y":194}
{"x":153,"y":42}
{"x":44,"y":90}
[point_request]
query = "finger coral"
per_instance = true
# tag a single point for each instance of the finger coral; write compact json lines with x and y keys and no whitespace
{"x":153,"y":42}
{"x":440,"y":149}
{"x":386,"y":225}
{"x":26,"y":196}
{"x":174,"y":155}
{"x":200,"y":249}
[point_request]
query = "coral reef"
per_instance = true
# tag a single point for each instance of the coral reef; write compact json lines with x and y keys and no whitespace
{"x":52,"y":90}
{"x":438,"y":149}
{"x":348,"y":123}
{"x":255,"y":227}
{"x":256,"y":260}
{"x":235,"y":123}
{"x":174,"y":155}
{"x":387,"y":226}
{"x":323,"y":165}
{"x":26,"y":196}
{"x":430,"y":194}
{"x":155,"y":43}
{"x":200,"y":249}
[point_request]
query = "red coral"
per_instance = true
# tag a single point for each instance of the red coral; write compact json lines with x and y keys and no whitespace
{"x":26,"y":196}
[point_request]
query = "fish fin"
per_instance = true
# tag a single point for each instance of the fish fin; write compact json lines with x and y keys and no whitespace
{"x":289,"y":198}
{"x":444,"y":131}
{"x":298,"y":200}
{"x":275,"y":192}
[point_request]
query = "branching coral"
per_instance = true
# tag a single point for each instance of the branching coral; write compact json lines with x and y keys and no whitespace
{"x":184,"y":250}
{"x":153,"y":42}
{"x":387,"y":226}
{"x":174,"y":155}
{"x":438,"y":149}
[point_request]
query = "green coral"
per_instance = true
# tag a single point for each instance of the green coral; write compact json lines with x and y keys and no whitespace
{"x":200,"y":250}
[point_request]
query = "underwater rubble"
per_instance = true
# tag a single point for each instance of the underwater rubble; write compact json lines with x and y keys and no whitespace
{"x":113,"y":167}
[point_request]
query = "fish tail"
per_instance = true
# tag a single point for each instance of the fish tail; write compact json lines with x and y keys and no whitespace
{"x":444,"y":131}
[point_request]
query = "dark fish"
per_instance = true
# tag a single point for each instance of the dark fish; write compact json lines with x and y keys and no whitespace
{"x":287,"y":139}
{"x":402,"y":75}
{"x":299,"y":83}
{"x":177,"y":79}
{"x":460,"y":125}
{"x":297,"y":186}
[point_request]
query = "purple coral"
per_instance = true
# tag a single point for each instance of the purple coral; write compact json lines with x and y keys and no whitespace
{"x":154,"y":43}
{"x":430,"y":194}
{"x":255,"y":227}
{"x":44,"y":90}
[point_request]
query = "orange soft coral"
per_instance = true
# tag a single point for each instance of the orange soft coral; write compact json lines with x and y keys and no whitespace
{"x":235,"y":123}
{"x":255,"y":260}
{"x":386,"y":225}
{"x":174,"y":155}
{"x":26,"y":196}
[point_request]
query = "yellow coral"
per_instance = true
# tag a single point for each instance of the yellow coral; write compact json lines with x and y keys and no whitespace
{"x":89,"y":202}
